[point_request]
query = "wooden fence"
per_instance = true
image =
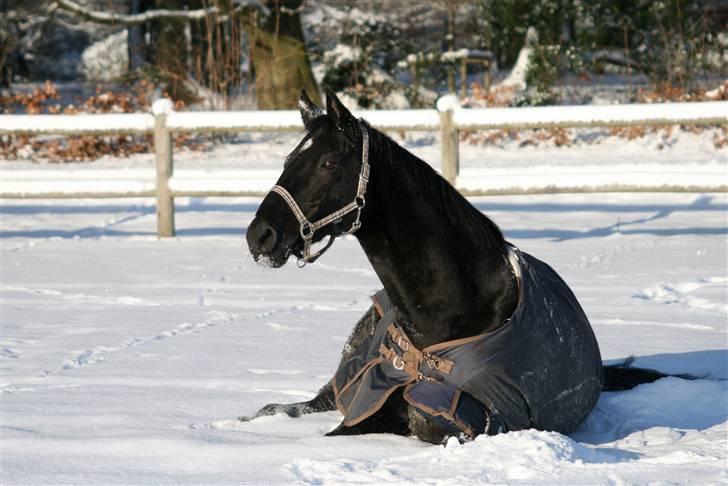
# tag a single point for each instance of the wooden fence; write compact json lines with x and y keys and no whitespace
{"x":163,"y":122}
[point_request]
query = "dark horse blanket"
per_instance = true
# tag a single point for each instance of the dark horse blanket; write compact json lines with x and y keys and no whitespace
{"x":541,"y":369}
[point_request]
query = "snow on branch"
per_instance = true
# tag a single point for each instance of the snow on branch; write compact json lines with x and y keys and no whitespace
{"x":613,"y":57}
{"x":141,"y":18}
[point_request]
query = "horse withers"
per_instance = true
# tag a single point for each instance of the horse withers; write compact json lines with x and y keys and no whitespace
{"x":469,"y":335}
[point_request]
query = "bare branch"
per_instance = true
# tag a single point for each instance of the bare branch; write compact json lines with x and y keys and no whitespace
{"x":141,"y":18}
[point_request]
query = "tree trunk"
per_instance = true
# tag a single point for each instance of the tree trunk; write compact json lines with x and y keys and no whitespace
{"x":170,"y":48}
{"x":135,"y":41}
{"x":280,"y":58}
{"x":450,"y":39}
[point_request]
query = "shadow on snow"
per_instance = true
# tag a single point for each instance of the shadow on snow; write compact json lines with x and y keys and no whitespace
{"x":202,"y":205}
{"x":674,"y":403}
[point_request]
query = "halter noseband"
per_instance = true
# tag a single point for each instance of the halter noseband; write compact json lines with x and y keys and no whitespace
{"x":307,"y":229}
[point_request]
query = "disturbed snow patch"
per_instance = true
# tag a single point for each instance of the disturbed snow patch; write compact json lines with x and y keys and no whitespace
{"x":677,"y":293}
{"x":521,"y":456}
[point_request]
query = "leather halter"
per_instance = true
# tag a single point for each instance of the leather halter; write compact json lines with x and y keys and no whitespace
{"x":307,"y":229}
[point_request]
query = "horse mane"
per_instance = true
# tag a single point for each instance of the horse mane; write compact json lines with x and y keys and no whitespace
{"x":452,"y":206}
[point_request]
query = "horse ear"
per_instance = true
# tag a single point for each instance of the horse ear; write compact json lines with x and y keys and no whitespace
{"x":337,"y":111}
{"x":309,"y":109}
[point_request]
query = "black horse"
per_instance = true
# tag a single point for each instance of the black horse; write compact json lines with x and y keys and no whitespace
{"x":469,"y":336}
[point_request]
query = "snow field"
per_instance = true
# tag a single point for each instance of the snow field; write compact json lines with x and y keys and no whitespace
{"x":125,"y":359}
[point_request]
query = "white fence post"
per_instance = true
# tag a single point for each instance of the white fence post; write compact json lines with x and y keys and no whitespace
{"x":165,"y":167}
{"x":449,"y":138}
{"x":450,"y":147}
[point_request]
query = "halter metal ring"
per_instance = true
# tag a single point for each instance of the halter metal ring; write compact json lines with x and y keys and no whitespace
{"x":307,"y":230}
{"x":398,"y":363}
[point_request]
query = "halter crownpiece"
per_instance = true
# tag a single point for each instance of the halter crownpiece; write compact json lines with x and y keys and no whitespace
{"x":307,"y":229}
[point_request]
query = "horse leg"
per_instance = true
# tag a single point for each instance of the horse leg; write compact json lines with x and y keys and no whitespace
{"x":438,"y":430}
{"x":390,"y":419}
{"x":324,"y":400}
{"x":428,"y":428}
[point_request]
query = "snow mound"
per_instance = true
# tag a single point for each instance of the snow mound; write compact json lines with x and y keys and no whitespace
{"x":671,"y":422}
{"x":523,"y":456}
{"x":106,"y":59}
{"x":517,"y":78}
{"x":670,"y":402}
{"x":683,"y":293}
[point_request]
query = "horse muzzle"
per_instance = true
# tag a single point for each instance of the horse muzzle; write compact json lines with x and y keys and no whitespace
{"x":266,"y":245}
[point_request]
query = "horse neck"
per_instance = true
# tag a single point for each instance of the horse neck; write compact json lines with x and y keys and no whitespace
{"x":442,"y":262}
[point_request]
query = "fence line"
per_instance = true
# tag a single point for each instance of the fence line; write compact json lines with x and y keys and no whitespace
{"x":587,"y":116}
{"x":164,"y":121}
{"x":96,"y":124}
{"x":290,"y":121}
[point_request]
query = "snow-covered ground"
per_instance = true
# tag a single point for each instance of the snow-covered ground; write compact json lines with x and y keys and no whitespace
{"x":125,"y":359}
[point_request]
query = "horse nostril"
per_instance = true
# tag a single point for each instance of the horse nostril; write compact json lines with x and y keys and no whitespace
{"x":266,"y":237}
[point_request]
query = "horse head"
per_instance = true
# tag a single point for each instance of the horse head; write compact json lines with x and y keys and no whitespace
{"x":321,"y":190}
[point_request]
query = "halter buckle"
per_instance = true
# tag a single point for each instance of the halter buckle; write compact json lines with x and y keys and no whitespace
{"x":306,"y":235}
{"x":398,"y":363}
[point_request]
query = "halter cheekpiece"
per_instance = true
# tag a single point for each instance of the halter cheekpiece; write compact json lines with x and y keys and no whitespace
{"x":307,"y":228}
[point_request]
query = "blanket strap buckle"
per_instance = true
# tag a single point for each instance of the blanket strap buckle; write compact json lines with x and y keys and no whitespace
{"x":436,"y":363}
{"x":403,"y":343}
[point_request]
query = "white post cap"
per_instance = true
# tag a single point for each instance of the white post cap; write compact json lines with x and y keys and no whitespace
{"x":448,"y":102}
{"x":162,"y":106}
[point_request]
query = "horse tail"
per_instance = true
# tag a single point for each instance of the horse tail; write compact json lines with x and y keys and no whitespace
{"x":623,"y":376}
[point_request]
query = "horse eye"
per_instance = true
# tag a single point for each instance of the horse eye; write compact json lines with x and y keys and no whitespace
{"x":329,"y":164}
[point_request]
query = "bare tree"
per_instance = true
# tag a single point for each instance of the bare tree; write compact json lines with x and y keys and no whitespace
{"x":278,"y":51}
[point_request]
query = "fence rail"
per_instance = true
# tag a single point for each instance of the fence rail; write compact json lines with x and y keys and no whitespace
{"x":163,"y":122}
{"x":585,"y":116}
{"x":98,"y":124}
